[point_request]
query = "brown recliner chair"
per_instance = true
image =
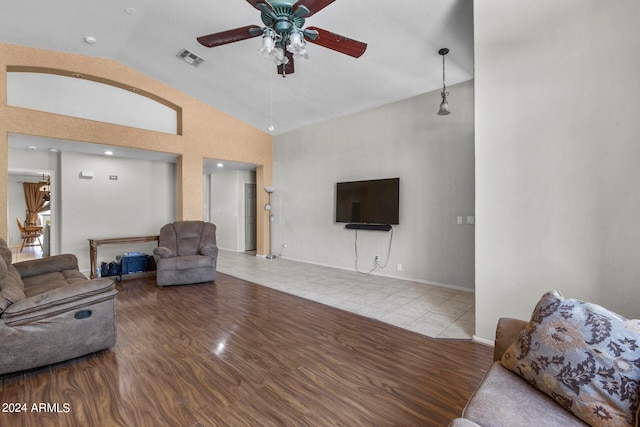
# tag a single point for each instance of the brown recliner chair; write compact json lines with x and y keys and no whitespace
{"x":50,"y":312}
{"x":187,"y":253}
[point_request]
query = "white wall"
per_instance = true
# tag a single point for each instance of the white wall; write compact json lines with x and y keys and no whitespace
{"x":557,"y":153}
{"x":227,"y":210}
{"x":138,"y":203}
{"x":432,"y":155}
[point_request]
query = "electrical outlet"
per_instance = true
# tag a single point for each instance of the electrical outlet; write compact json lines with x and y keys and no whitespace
{"x":399,"y":267}
{"x":459,"y":220}
{"x":377,"y":257}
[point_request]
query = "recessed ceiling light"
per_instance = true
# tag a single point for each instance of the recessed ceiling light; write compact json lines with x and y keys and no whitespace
{"x":220,"y":165}
{"x":32,"y":148}
{"x":130,"y":11}
{"x":108,"y":153}
{"x":54,"y":150}
{"x":90,"y":40}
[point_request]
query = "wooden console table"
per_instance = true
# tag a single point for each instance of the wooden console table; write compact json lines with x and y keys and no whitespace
{"x":94,"y":243}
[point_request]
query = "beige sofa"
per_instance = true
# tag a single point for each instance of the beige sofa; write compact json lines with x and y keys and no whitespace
{"x":574,"y":363}
{"x":50,"y":312}
{"x":504,"y":399}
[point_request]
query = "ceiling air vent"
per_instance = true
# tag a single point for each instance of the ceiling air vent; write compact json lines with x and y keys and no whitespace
{"x":190,"y":57}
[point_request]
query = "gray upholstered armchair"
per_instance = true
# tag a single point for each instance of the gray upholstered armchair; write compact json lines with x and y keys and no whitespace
{"x":186,"y":253}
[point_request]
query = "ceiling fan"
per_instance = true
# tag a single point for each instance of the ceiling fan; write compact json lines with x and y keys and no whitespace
{"x":283,"y":37}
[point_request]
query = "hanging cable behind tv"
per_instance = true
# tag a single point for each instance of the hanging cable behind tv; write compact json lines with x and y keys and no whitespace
{"x":376,"y":263}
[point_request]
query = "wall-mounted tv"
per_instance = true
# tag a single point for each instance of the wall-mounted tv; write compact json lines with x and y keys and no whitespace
{"x":368,"y":202}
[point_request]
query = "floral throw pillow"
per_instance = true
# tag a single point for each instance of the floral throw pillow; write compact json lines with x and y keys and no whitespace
{"x":584,"y":356}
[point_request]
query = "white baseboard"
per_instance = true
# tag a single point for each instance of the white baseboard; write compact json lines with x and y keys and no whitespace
{"x":408,"y":279}
{"x":483,"y":341}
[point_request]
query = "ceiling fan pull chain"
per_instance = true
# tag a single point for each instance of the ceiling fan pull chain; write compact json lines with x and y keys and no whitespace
{"x":271,"y":127}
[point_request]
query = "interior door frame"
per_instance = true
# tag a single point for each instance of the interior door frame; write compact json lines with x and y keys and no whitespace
{"x":246,"y":212}
{"x":55,"y":203}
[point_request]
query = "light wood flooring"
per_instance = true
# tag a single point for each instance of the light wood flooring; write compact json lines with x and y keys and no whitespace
{"x":233,"y":353}
{"x":28,"y":252}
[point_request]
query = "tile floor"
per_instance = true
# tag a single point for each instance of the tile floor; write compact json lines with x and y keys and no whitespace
{"x":426,"y":309}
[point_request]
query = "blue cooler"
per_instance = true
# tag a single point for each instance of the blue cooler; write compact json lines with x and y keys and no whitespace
{"x":134,"y":262}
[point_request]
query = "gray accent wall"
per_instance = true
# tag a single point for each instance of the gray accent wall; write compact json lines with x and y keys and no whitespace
{"x":557,"y":155}
{"x":434,"y":159}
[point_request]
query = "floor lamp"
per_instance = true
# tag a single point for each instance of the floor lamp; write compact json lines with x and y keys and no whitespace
{"x":272,"y":218}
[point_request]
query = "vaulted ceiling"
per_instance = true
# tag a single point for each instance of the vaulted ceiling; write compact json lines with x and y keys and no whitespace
{"x":401,"y":60}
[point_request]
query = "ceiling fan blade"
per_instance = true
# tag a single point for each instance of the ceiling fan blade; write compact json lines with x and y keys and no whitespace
{"x":230,"y":36}
{"x":287,"y":68}
{"x":305,"y":8}
{"x":261,"y":5}
{"x":335,"y":42}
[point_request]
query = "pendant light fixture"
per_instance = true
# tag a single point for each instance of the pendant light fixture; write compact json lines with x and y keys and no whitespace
{"x":444,"y":105}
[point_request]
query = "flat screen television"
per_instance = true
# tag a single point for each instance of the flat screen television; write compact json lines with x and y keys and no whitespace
{"x":368,"y":202}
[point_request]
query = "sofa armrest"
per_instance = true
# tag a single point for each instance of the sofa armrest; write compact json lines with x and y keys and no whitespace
{"x":51,"y":264}
{"x":60,"y":298}
{"x":163,"y":252}
{"x":209,"y":250}
{"x":507,"y":331}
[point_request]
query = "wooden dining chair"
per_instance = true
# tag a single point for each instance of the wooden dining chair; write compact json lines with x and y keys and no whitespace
{"x":30,"y":235}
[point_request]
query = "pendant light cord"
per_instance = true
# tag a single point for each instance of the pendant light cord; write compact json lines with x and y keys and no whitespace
{"x":444,"y":86}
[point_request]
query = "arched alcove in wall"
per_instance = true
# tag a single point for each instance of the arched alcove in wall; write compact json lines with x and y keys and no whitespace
{"x":90,"y":97}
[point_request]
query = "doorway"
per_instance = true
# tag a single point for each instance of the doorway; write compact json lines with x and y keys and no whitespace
{"x":249,"y":217}
{"x":16,"y":208}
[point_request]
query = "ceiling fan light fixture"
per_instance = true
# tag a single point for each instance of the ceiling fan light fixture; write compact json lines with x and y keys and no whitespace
{"x":284,"y":36}
{"x":279,"y":57}
{"x":268,"y":42}
{"x":295,"y":40}
{"x":301,"y":53}
{"x":297,"y":45}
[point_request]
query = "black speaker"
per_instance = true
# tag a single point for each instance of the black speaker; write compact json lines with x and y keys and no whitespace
{"x":370,"y":227}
